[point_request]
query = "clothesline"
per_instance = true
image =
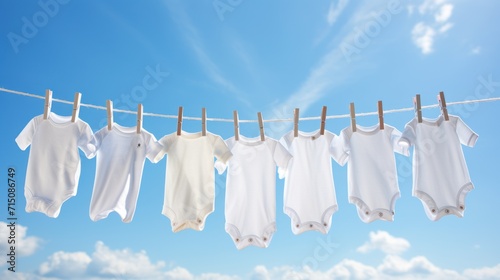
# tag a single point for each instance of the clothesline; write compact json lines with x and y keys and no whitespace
{"x":343,"y":116}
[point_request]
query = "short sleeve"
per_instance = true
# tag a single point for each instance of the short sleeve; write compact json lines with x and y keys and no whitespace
{"x":165,"y":142}
{"x":465,"y":134}
{"x":221,"y":151}
{"x":222,"y":166}
{"x":408,"y":137}
{"x":24,"y":138}
{"x":397,"y":146}
{"x":339,"y":147}
{"x":99,"y":137}
{"x":153,"y":149}
{"x":86,"y":141}
{"x":285,"y":142}
{"x":281,"y":156}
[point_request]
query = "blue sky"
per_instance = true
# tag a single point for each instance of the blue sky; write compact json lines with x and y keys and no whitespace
{"x":253,"y":56}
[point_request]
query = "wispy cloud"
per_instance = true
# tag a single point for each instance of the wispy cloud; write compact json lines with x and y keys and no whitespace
{"x":424,"y":33}
{"x":330,"y":71}
{"x":335,"y":10}
{"x":196,"y":43}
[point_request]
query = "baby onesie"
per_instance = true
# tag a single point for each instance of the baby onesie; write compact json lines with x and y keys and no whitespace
{"x":121,"y":153}
{"x":309,"y":196}
{"x":54,"y":162}
{"x":189,"y":185}
{"x":251,"y":189}
{"x":371,"y":168}
{"x":440,"y":176}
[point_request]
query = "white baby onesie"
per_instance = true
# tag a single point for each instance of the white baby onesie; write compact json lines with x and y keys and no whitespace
{"x":190,"y":178}
{"x":440,"y":175}
{"x":251,"y":189}
{"x":54,"y":162}
{"x":121,"y":153}
{"x":371,"y":168}
{"x":309,"y":196}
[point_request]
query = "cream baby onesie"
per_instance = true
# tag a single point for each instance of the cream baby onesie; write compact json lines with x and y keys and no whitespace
{"x":440,"y":176}
{"x":189,"y":185}
{"x":309,"y":196}
{"x":251,"y":189}
{"x":121,"y":153}
{"x":371,"y":168}
{"x":53,"y":168}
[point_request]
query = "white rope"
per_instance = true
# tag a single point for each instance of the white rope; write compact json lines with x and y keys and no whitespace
{"x":344,"y":116}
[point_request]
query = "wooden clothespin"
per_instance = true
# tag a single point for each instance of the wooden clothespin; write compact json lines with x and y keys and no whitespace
{"x":380,"y":115}
{"x":203,"y":122}
{"x":261,"y":127}
{"x":236,"y":126}
{"x":139,"y":118}
{"x":353,"y":117}
{"x":179,"y":122}
{"x":76,"y":107}
{"x":109,"y":110}
{"x":442,"y":104}
{"x":323,"y":121}
{"x":48,"y":103}
{"x":296,"y":122}
{"x":418,"y":107}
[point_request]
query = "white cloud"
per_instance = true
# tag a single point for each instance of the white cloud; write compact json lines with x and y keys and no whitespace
{"x":383,"y":241}
{"x":483,"y":273}
{"x":178,"y":273}
{"x":118,"y":263}
{"x":105,"y":263}
{"x":216,"y":276}
{"x":260,"y":272}
{"x":430,"y":6}
{"x":332,"y":69}
{"x":423,"y":36}
{"x":25,"y":245}
{"x":335,"y":10}
{"x":65,"y":265}
{"x":349,"y":269}
{"x":444,"y":13}
{"x":21,"y":276}
{"x":394,"y":267}
{"x":126,"y":264}
{"x":424,"y":33}
{"x":445,"y":27}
